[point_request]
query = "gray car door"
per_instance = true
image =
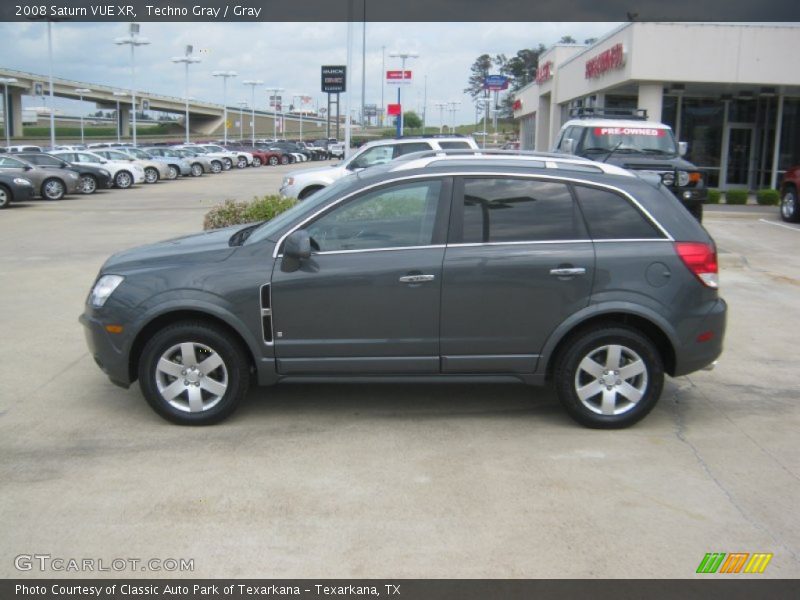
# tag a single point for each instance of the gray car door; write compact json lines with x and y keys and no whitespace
{"x":518,"y":262}
{"x":367,"y":300}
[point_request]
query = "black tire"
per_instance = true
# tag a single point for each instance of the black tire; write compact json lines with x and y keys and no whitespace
{"x":88,"y":184}
{"x":123,"y":180}
{"x":637,"y":394}
{"x":241,"y":162}
{"x":285,"y":160}
{"x":235,"y":368}
{"x":227,"y":164}
{"x":308,"y":191}
{"x":5,"y":197}
{"x":790,"y":210}
{"x":53,"y":189}
{"x":274,"y":160}
{"x":197,"y":169}
{"x":151,"y":175}
{"x":174,"y":172}
{"x":217,"y":166}
{"x":256,"y":161}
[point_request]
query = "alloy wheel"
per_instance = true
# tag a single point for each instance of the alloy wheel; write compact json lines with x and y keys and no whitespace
{"x":191,"y":377}
{"x":611,"y":379}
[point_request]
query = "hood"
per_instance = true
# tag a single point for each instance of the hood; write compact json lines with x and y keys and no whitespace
{"x":330,"y":172}
{"x":208,"y":247}
{"x":646,"y":162}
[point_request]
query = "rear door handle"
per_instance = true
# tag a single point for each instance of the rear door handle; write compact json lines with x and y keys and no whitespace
{"x":568,"y":271}
{"x":417,"y":278}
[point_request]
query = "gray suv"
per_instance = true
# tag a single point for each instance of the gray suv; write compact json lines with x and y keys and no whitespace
{"x":456,"y":266}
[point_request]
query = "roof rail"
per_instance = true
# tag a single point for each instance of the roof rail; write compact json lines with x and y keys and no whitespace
{"x":431,"y":135}
{"x":487,"y":152}
{"x":591,"y":112}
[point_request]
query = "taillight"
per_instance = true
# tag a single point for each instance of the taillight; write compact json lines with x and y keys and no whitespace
{"x":700,"y":259}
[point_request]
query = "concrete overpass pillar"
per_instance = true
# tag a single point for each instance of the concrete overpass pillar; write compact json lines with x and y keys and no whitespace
{"x":15,"y":122}
{"x":650,"y":97}
{"x":124,"y":121}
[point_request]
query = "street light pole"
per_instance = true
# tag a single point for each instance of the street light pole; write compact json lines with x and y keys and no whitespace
{"x":301,"y":96}
{"x":133,"y":40}
{"x":383,"y":80}
{"x":253,"y":83}
{"x":225,"y":75}
{"x":187,"y":59}
{"x":81,"y":92}
{"x":274,"y":91}
{"x":441,"y":106}
{"x":403,"y":56}
{"x":242,"y":106}
{"x":7,"y":107}
{"x":50,"y":80}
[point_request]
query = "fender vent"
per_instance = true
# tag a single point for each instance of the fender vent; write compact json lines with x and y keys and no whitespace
{"x":266,"y":313}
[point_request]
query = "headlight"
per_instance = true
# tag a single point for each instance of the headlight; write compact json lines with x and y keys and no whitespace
{"x":72,"y":175}
{"x":683,"y":178}
{"x":668,"y":178}
{"x":105,"y":173}
{"x":104,"y":287}
{"x":22,"y":181}
{"x":288,"y":181}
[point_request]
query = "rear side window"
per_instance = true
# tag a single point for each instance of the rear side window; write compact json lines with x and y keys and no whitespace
{"x":519,"y":210}
{"x":454,"y":146}
{"x":610,"y":216}
{"x":401,"y":149}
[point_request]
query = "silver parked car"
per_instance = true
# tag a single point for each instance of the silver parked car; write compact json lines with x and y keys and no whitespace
{"x":48,"y":184}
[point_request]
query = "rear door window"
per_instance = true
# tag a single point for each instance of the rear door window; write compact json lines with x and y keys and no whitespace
{"x":402,"y":149}
{"x":454,"y":145}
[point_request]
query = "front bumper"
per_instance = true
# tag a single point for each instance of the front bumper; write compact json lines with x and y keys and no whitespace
{"x":22,"y":193}
{"x":107,"y":350}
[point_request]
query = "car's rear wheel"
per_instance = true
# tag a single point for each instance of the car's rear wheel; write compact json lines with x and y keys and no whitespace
{"x":216,"y":166}
{"x":88,"y":184}
{"x":256,"y":161}
{"x":150,"y":175}
{"x":173,"y":172}
{"x":5,"y":197}
{"x":197,"y":169}
{"x":285,"y":160}
{"x":193,"y":373}
{"x":53,"y":189}
{"x":609,"y":377}
{"x":790,"y":211}
{"x":274,"y":160}
{"x":123,"y":180}
{"x":241,"y":162}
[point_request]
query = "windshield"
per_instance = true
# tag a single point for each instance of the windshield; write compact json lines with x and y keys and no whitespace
{"x":655,"y":140}
{"x":137,"y":153}
{"x":116,"y":155}
{"x":272,"y":229}
{"x":198,"y":150}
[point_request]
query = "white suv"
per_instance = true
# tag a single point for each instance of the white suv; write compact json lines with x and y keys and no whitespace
{"x":301,"y":184}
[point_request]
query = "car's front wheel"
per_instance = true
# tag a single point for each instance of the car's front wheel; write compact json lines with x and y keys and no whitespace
{"x":173,"y":172}
{"x":216,"y":166}
{"x":53,"y":189}
{"x":274,"y":160}
{"x":193,"y":373}
{"x":256,"y":161}
{"x":227,"y":164}
{"x":151,"y":175}
{"x":241,"y":162}
{"x":790,"y":211}
{"x":197,"y":169}
{"x":5,"y":197}
{"x":609,"y":377}
{"x":88,"y":184}
{"x":123,"y":180}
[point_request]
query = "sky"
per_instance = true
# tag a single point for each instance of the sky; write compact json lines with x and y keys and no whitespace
{"x":286,"y":55}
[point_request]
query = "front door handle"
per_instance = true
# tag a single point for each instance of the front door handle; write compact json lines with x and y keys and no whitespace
{"x":417,"y":278}
{"x":568,"y":271}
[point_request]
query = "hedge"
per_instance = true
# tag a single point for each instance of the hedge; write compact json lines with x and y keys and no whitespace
{"x":714,"y":196}
{"x":736,"y":196}
{"x":767,"y":197}
{"x":232,"y":212}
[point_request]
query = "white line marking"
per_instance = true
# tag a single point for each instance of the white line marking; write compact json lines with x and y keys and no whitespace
{"x":780,"y":225}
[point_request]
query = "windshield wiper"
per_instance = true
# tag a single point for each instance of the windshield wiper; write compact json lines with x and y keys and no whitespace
{"x":614,"y":149}
{"x":238,"y":238}
{"x":656,"y":151}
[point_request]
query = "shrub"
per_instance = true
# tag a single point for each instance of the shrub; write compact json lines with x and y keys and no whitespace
{"x":767,"y":197}
{"x":736,"y":196}
{"x":714,"y":196}
{"x":232,"y":212}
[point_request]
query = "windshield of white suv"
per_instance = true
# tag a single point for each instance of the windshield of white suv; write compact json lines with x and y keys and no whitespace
{"x":648,"y":140}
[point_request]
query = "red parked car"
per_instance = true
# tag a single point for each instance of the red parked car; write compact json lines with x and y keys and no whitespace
{"x":790,"y":211}
{"x":264,"y":157}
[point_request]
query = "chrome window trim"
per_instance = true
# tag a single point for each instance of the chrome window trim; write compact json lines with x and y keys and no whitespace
{"x":535,"y":177}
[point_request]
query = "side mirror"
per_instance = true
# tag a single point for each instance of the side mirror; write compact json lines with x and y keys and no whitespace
{"x":64,"y":164}
{"x":568,"y":146}
{"x":28,"y":167}
{"x":297,"y":245}
{"x":683,"y":148}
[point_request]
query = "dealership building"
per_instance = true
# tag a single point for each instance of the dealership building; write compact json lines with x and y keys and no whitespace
{"x":732,"y":91}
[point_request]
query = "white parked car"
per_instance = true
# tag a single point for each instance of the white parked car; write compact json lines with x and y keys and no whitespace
{"x":225,"y":157}
{"x":301,"y":184}
{"x":153,"y":170}
{"x":124,"y":173}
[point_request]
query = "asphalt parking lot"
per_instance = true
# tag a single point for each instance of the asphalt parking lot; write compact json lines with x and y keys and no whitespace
{"x":385,"y":481}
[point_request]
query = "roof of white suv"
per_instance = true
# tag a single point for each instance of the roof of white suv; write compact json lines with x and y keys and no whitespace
{"x":621,"y":123}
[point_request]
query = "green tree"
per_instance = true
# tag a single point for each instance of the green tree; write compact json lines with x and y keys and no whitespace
{"x":480,"y":69}
{"x":411,"y":120}
{"x":567,"y":39}
{"x":590,"y":41}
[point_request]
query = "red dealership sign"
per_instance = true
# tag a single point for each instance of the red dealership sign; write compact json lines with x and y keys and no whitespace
{"x":517,"y":104}
{"x":398,"y":77}
{"x":544,"y":72}
{"x":392,"y":109}
{"x":648,"y":131}
{"x":611,"y":59}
